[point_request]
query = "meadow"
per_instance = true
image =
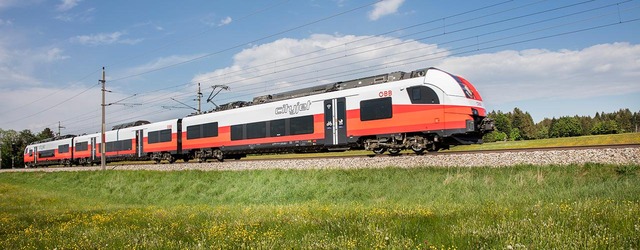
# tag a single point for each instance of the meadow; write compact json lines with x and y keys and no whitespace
{"x":588,"y":206}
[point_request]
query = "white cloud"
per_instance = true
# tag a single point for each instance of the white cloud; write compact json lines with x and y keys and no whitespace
{"x":225,"y":21}
{"x":511,"y":76}
{"x":159,"y":63}
{"x":278,"y":66}
{"x":104,"y":39}
{"x":383,"y":8}
{"x":83,"y":16}
{"x":6,"y":22}
{"x":66,"y":5}
{"x":54,"y":54}
{"x":18,"y":67}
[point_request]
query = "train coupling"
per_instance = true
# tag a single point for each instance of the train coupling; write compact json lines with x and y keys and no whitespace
{"x":487,"y":125}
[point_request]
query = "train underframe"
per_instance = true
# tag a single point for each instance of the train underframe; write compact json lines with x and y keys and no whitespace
{"x":428,"y":141}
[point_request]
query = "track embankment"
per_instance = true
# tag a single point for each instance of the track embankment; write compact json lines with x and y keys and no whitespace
{"x":565,"y":156}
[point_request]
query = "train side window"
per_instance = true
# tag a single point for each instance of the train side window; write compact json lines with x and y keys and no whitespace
{"x":63,"y":148}
{"x":278,"y":128}
{"x":194,"y":132}
{"x":256,"y":130}
{"x":159,"y":136}
{"x":237,"y":132}
{"x":165,"y":135}
{"x":423,"y":95}
{"x":210,"y":129}
{"x":376,"y":109}
{"x":202,"y":131}
{"x":126,"y":144}
{"x":110,"y":147}
{"x":301,"y":125}
{"x":46,"y":153}
{"x":82,"y":146}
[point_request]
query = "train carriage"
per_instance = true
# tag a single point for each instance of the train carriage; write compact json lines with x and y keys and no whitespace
{"x":426,"y":109}
{"x":272,"y":127}
{"x":50,"y":152}
{"x":159,"y":140}
{"x":85,"y":150}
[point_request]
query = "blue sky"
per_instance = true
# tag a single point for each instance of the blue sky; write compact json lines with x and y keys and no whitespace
{"x":550,"y":58}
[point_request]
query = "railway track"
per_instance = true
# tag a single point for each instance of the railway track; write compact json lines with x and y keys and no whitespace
{"x":604,"y":154}
{"x":448,"y":152}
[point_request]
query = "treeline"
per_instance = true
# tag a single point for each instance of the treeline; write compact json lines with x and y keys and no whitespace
{"x":13,"y":143}
{"x":518,"y":125}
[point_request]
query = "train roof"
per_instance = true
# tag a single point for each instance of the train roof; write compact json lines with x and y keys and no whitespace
{"x":130,"y":124}
{"x":330,"y":87}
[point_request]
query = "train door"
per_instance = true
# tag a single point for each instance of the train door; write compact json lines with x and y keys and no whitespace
{"x":93,"y":149}
{"x":139,"y":144}
{"x":35,"y":155}
{"x":335,"y":121}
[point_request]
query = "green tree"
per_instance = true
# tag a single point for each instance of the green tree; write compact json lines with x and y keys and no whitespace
{"x":605,"y":127}
{"x":494,"y":136}
{"x":524,"y":123}
{"x":45,"y":134}
{"x":565,"y":127}
{"x":515,"y":134}
{"x":542,"y":129}
{"x":12,"y":145}
{"x":586,"y":122}
{"x":624,"y":120}
{"x":502,"y":121}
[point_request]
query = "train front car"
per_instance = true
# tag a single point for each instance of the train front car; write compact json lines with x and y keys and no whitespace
{"x":49,"y":152}
{"x":428,"y":110}
{"x":464,"y":112}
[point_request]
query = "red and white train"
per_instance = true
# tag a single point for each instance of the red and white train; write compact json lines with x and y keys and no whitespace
{"x":427,"y":109}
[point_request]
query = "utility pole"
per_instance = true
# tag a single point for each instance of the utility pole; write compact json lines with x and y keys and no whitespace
{"x":103,"y":160}
{"x":199,"y":100}
{"x":59,"y":127}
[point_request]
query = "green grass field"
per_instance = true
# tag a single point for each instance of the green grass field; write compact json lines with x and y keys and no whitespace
{"x":522,"y":207}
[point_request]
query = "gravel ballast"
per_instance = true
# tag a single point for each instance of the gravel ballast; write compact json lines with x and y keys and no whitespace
{"x":618,"y":156}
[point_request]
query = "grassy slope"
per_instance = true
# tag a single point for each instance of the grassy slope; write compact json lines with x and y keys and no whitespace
{"x":592,"y":206}
{"x":592,"y":140}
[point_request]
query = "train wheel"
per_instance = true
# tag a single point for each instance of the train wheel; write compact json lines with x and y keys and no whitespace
{"x":379,"y":151}
{"x":218,"y":154}
{"x":418,"y":150}
{"x":169,"y":158}
{"x":394,"y":151}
